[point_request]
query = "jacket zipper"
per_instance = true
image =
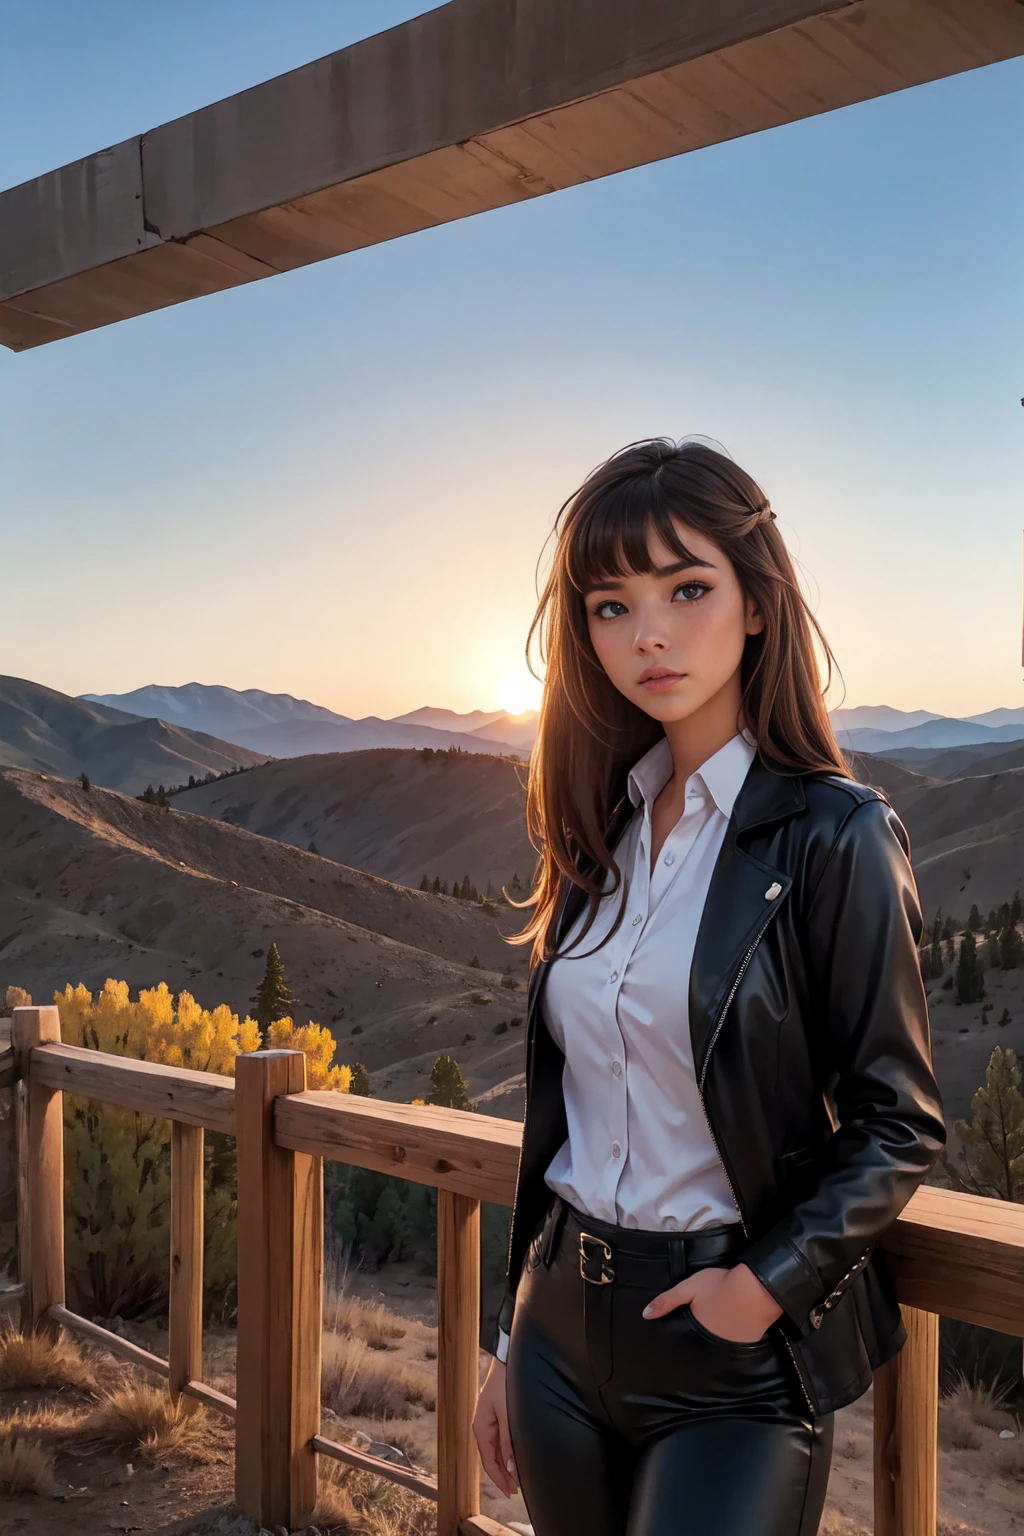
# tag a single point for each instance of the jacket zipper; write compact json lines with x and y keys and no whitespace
{"x":711,"y":1133}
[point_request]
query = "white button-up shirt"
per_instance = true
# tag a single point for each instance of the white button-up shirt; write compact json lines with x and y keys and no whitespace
{"x":639,"y":1151}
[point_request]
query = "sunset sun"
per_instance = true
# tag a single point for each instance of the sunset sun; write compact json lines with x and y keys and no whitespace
{"x":519,"y":692}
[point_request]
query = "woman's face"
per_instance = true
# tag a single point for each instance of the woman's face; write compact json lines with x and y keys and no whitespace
{"x":673,"y":639}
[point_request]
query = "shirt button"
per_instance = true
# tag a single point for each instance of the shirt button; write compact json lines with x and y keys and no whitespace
{"x":617,"y":1068}
{"x":614,"y":976}
{"x":616,"y":1149}
{"x":670,"y":858}
{"x":638,"y":919}
{"x":669,"y":1223}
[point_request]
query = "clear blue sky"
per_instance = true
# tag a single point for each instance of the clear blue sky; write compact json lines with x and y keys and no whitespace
{"x":336,"y":483}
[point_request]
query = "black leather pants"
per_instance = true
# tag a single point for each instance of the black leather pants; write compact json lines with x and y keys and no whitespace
{"x":626,"y":1426}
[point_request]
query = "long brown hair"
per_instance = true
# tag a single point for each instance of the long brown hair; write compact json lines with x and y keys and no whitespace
{"x":589,"y":735}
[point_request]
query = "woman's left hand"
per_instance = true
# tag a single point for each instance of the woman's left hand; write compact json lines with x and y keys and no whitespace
{"x":731,"y":1303}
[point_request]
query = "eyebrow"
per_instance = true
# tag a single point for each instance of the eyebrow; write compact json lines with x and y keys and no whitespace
{"x":613,"y":583}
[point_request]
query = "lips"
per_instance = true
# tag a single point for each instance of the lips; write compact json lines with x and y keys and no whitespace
{"x":655,"y":678}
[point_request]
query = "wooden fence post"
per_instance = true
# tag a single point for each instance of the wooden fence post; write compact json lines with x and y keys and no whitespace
{"x":280,"y":1302}
{"x":458,"y":1357}
{"x":40,"y":1175}
{"x":906,"y":1432}
{"x":185,"y":1309}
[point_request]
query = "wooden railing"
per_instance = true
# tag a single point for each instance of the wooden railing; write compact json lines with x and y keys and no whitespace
{"x":950,"y":1254}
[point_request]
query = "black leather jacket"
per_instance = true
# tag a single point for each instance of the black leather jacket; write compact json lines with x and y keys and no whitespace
{"x":812,"y":1049}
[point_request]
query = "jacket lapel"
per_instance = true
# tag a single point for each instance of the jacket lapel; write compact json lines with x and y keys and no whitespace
{"x":738,"y":907}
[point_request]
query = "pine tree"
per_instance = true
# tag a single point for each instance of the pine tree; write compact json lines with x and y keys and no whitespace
{"x":312,"y":848}
{"x":449,"y":1084}
{"x":974,"y":920}
{"x":425,"y":884}
{"x":969,"y":984}
{"x":1015,"y":908}
{"x":436,"y":887}
{"x":992,"y":1157}
{"x":85,"y":781}
{"x":1010,"y":947}
{"x":360,"y":1081}
{"x":273,"y":999}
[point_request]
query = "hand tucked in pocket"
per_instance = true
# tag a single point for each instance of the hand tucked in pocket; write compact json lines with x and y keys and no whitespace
{"x":731,"y":1303}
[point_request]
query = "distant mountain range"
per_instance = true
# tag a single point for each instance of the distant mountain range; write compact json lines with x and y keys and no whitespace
{"x":43,"y":729}
{"x":278,"y":725}
{"x":882,"y":729}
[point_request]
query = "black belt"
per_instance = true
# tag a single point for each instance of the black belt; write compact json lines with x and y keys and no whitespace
{"x":607,"y":1251}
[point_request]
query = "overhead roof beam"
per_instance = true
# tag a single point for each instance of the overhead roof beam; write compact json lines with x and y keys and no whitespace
{"x":473,"y":106}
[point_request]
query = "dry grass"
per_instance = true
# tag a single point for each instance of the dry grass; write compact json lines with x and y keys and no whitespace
{"x":409,"y":1439}
{"x":1009,"y":1460}
{"x":134,"y":1416}
{"x":32,"y":1360}
{"x":981,"y":1404}
{"x":958,"y":1431}
{"x":45,"y":1422}
{"x":369,"y":1320}
{"x":26,"y":1466}
{"x":354,"y":1384}
{"x":354,"y":1503}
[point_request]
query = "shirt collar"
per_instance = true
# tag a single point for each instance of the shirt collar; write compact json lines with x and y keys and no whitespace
{"x":722,"y":774}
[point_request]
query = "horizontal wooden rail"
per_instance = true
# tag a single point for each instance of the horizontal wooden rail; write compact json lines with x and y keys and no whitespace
{"x":418,"y":1482}
{"x":171,"y":1093}
{"x":475,"y":1155}
{"x":955,"y":1254}
{"x":211,"y":1398}
{"x":960,"y":1256}
{"x":124,"y":1349}
{"x":134,"y":1354}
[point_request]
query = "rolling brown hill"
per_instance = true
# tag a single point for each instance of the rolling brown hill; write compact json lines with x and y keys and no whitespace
{"x":95,"y":884}
{"x":891,"y":778}
{"x":393,"y":812}
{"x":43,"y":729}
{"x":967,"y":838}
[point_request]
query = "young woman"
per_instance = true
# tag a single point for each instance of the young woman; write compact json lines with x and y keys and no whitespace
{"x":729,"y":1088}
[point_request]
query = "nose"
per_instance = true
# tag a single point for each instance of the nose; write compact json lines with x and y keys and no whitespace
{"x":650,"y":637}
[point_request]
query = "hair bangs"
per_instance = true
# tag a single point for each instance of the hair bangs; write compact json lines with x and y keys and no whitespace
{"x":611,"y":534}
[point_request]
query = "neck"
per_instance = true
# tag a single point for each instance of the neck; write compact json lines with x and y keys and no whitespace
{"x":693,"y":740}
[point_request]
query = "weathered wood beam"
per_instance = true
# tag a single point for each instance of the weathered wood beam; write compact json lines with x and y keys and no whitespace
{"x":476,"y":105}
{"x":171,"y":1093}
{"x":475,"y":1155}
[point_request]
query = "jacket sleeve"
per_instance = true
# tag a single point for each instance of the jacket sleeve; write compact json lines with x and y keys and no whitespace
{"x":863,"y":926}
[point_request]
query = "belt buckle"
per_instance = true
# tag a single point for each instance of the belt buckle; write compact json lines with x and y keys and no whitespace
{"x":607,"y":1274}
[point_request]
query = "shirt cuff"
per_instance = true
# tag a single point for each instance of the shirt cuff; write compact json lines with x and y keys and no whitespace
{"x":502,"y":1350}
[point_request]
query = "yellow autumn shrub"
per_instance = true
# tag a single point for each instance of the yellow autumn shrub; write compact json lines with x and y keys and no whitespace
{"x":117,"y":1162}
{"x":318,"y":1045}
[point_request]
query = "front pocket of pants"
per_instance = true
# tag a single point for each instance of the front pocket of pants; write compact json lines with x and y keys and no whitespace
{"x":738,"y":1346}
